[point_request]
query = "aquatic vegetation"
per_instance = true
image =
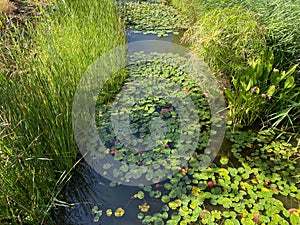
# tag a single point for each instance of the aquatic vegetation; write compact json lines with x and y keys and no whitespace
{"x":257,"y":183}
{"x":143,"y":17}
{"x":255,"y":92}
{"x":247,"y":192}
{"x":161,"y":107}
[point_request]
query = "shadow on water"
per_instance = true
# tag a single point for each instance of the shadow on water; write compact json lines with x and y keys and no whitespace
{"x":88,"y":189}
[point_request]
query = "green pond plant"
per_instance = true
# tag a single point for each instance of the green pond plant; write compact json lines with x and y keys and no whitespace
{"x":142,"y":17}
{"x":255,"y":183}
{"x":159,"y":65}
{"x":256,"y":91}
{"x":258,"y":183}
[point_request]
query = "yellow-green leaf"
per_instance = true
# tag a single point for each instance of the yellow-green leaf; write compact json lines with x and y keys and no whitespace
{"x":119,"y":212}
{"x":108,"y":212}
{"x":271,"y":90}
{"x":289,"y":83}
{"x":144,"y":208}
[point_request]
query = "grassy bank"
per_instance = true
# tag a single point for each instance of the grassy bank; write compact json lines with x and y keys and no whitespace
{"x":37,"y":147}
{"x":281,"y":19}
{"x":256,"y":46}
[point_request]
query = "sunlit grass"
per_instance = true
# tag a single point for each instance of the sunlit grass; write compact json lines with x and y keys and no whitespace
{"x":37,"y":146}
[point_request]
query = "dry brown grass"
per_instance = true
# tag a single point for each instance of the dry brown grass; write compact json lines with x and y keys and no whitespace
{"x":6,"y":7}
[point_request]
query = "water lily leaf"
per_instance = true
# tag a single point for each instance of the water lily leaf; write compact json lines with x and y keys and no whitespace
{"x":144,"y":207}
{"x":295,"y":219}
{"x":175,"y":204}
{"x":165,"y":198}
{"x":224,"y":160}
{"x":196,"y":191}
{"x":140,"y":216}
{"x":119,"y":212}
{"x":139,"y":195}
{"x":108,"y":212}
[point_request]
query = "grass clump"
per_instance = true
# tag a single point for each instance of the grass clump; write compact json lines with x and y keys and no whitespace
{"x":227,"y":39}
{"x":281,"y":19}
{"x":37,"y":146}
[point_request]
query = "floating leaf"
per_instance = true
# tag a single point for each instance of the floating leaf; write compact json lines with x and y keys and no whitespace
{"x":224,"y":160}
{"x":144,"y":208}
{"x":119,"y":212}
{"x":108,"y":212}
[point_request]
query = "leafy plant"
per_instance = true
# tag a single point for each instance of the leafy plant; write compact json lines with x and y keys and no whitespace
{"x":258,"y":90}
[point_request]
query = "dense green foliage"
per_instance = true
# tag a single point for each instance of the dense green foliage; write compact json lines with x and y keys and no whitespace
{"x":230,"y":35}
{"x":155,"y":68}
{"x":255,"y":180}
{"x":257,"y":91}
{"x":281,"y":19}
{"x":234,"y":193}
{"x":227,"y":39}
{"x":37,"y":147}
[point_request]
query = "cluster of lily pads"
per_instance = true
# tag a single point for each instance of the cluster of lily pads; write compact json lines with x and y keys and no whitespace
{"x":168,"y":146}
{"x":261,"y":186}
{"x":141,"y":17}
{"x":257,"y":182}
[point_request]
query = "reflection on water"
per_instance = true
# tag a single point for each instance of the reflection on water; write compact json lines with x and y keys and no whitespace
{"x":132,"y":37}
{"x":88,"y":189}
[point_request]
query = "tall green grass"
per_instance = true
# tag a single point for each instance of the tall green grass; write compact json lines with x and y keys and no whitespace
{"x":227,"y":39}
{"x":37,"y":146}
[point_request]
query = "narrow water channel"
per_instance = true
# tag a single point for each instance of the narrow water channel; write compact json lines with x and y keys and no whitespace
{"x":87,"y":188}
